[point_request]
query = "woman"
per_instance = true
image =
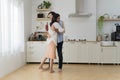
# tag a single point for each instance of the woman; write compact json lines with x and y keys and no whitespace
{"x":50,"y":15}
{"x":52,"y":42}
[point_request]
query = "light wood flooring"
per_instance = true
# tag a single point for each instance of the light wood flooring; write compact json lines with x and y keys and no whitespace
{"x":70,"y":72}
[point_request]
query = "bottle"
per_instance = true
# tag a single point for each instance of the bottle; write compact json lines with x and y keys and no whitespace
{"x":46,"y":26}
{"x":99,"y":37}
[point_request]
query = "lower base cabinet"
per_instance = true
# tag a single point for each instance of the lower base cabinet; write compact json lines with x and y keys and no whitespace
{"x":108,"y":55}
{"x":66,"y":52}
{"x":35,"y":51}
{"x":77,"y":52}
{"x":93,"y":52}
{"x":118,"y":52}
{"x":82,"y":52}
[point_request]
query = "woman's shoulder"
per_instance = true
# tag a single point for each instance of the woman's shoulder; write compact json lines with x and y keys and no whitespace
{"x":55,"y":23}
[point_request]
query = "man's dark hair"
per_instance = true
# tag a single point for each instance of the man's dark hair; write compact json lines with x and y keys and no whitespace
{"x":52,"y":12}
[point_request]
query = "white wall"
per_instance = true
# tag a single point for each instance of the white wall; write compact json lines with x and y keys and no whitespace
{"x":81,"y":27}
{"x":10,"y":63}
{"x":27,"y":17}
{"x":78,"y":28}
{"x":27,"y":20}
{"x":111,"y":7}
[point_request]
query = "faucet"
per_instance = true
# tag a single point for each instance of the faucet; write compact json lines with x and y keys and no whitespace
{"x":106,"y":36}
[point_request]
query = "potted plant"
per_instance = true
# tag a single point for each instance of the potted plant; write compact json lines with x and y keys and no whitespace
{"x":100,"y":26}
{"x":47,"y":4}
{"x":40,"y":6}
{"x":100,"y":23}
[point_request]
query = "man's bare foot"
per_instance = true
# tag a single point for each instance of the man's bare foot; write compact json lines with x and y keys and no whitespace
{"x":60,"y":70}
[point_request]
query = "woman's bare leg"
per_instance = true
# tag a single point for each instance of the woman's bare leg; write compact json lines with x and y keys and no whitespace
{"x":48,"y":67}
{"x":42,"y":62}
{"x":51,"y":65}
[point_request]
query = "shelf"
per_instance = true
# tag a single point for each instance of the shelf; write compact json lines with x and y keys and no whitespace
{"x":41,"y":10}
{"x":111,"y":19}
{"x":40,"y":31}
{"x":42,"y":19}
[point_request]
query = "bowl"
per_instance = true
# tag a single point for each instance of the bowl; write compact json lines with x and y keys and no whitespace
{"x":107,"y":43}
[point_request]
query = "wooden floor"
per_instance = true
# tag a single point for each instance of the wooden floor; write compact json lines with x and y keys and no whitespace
{"x":70,"y":72}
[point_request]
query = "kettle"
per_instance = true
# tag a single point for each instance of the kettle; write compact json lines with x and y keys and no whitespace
{"x":117,"y":27}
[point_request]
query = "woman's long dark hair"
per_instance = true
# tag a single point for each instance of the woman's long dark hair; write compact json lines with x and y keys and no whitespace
{"x":54,"y":19}
{"x":51,"y":13}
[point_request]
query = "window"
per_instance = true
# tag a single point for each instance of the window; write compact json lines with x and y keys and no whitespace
{"x":11,"y":27}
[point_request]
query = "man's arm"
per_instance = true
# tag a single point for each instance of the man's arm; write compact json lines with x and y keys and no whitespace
{"x":63,"y":26}
{"x":58,"y":28}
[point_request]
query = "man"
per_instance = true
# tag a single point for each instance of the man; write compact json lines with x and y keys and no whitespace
{"x":59,"y":41}
{"x":60,"y":45}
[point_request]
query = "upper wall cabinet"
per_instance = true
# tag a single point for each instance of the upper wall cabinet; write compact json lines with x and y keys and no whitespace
{"x":81,"y":9}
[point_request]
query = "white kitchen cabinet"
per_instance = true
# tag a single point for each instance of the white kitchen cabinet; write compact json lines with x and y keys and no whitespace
{"x":66,"y":52}
{"x":94,"y":52}
{"x":77,"y":52}
{"x":108,"y":55}
{"x":73,"y":52}
{"x":35,"y":50}
{"x":118,"y":52}
{"x":82,"y":52}
{"x":70,"y":52}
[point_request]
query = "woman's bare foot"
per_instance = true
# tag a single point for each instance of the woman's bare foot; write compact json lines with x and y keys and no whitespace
{"x":47,"y":68}
{"x":52,"y":71}
{"x":41,"y":68}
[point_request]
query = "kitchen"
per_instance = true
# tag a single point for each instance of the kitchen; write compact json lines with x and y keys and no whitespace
{"x":83,"y":28}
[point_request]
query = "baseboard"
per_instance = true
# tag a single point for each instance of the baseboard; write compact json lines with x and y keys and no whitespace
{"x":75,"y":63}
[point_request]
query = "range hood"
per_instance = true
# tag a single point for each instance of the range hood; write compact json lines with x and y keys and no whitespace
{"x":80,"y":14}
{"x":81,"y":9}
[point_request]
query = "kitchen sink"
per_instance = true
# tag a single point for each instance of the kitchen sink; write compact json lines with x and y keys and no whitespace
{"x":107,"y":43}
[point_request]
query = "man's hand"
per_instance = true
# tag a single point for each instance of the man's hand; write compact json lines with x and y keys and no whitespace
{"x":64,"y":31}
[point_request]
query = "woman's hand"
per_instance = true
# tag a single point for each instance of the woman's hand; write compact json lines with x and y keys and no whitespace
{"x":56,"y":30}
{"x":48,"y":35}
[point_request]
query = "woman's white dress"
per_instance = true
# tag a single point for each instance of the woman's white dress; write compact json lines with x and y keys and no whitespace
{"x":52,"y":41}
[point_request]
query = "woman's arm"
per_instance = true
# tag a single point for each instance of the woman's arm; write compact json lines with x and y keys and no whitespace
{"x":48,"y":35}
{"x":58,"y":28}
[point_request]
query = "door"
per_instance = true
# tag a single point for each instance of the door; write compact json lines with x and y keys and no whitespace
{"x":108,"y":55}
